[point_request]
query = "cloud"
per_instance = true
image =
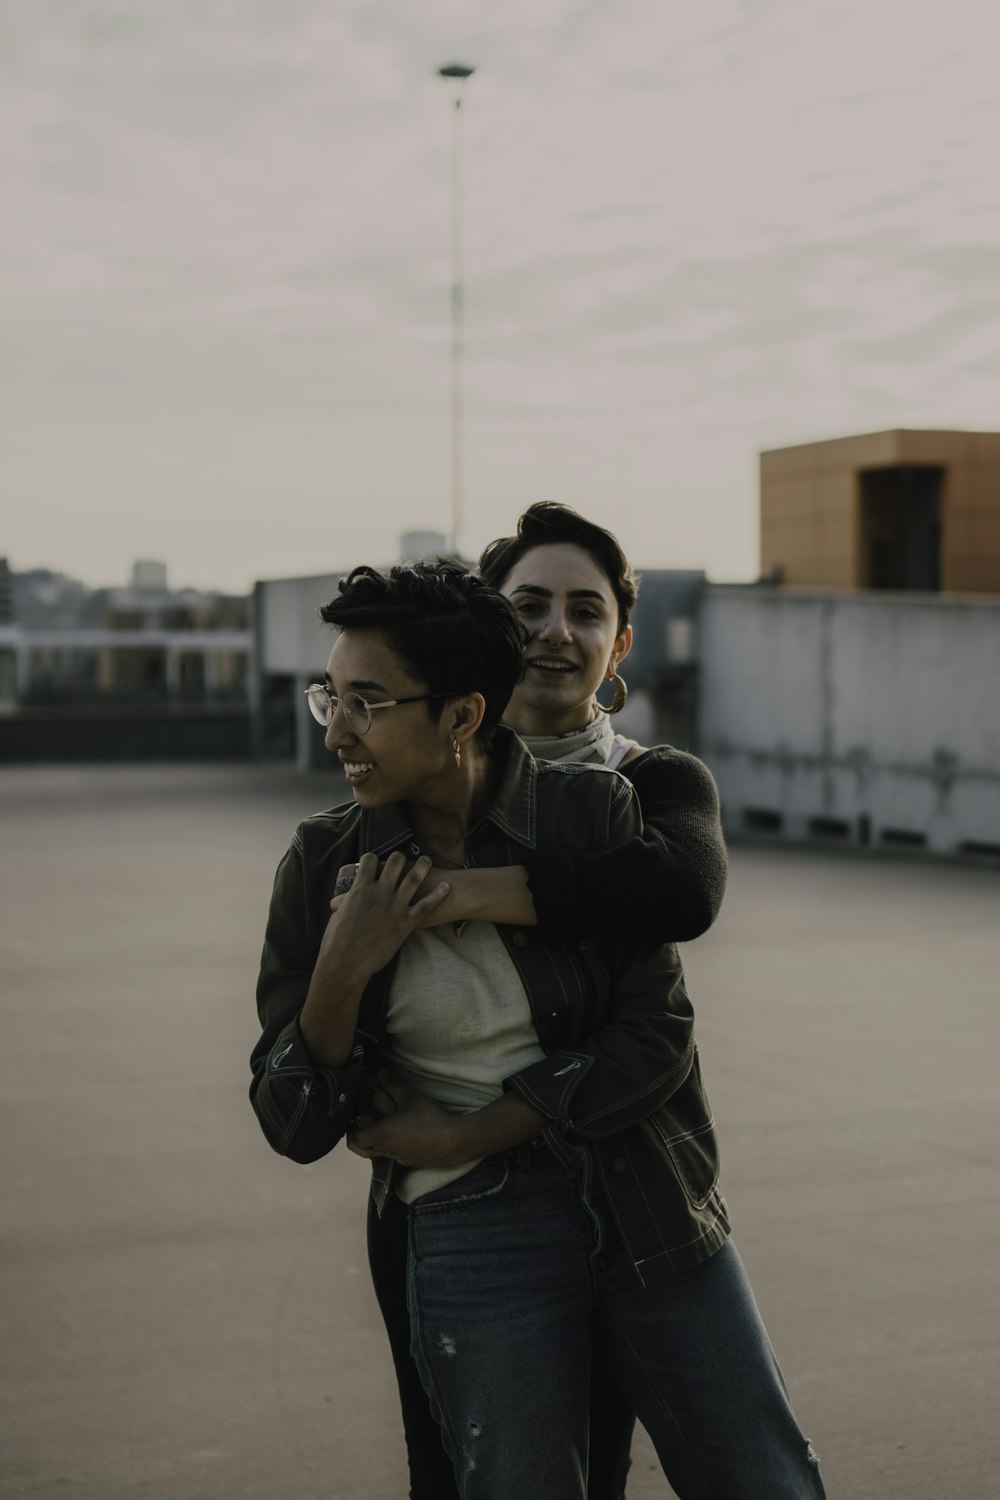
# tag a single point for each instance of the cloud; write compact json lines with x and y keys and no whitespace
{"x":689,"y":232}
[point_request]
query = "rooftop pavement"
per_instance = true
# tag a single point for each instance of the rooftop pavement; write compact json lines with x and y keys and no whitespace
{"x":187,"y":1317}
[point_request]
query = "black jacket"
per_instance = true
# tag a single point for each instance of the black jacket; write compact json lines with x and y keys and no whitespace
{"x":668,"y":879}
{"x":621,"y":1072}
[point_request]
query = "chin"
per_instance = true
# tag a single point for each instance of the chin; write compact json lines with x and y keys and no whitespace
{"x":565,"y":694}
{"x":366,"y":796}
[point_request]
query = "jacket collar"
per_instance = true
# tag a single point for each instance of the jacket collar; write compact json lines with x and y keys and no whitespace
{"x":514,"y":805}
{"x":512,"y":810}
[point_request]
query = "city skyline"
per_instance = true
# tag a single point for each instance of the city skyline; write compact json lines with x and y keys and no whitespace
{"x":688,"y":238}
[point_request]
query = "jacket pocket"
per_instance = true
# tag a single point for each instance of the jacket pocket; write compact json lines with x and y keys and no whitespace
{"x":684,"y":1129}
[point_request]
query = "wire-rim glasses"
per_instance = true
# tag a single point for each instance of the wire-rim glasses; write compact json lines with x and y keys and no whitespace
{"x":357,"y":711}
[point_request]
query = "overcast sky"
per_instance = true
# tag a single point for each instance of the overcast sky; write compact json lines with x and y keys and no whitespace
{"x":691,"y":232}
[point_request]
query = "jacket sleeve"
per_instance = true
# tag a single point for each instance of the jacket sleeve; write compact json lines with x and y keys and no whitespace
{"x":641,"y":1052}
{"x":303,"y":1109}
{"x":668,"y":880}
{"x":629,"y":1066}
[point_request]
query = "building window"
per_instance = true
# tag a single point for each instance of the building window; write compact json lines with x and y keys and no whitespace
{"x":901,"y":527}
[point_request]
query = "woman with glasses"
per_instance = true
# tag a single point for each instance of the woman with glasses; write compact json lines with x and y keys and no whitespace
{"x":558,"y":1163}
{"x":574,"y":592}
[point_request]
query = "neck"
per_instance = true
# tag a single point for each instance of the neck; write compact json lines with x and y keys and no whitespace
{"x":442,"y":822}
{"x":526,"y":720}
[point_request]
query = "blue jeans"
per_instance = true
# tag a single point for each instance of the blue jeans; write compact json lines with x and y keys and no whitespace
{"x":431,"y":1472}
{"x":516,"y":1272}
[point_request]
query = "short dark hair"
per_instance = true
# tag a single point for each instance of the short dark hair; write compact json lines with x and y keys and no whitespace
{"x":546,"y":523}
{"x":456,"y":634}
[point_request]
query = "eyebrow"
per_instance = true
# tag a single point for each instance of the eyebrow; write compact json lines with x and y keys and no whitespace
{"x":358,"y":683}
{"x":536,"y":588}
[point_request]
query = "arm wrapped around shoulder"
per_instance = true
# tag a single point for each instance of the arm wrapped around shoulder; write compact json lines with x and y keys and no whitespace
{"x":664,"y":884}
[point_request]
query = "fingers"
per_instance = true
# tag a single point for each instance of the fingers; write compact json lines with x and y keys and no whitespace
{"x":395,"y":874}
{"x":360,"y":1136}
{"x":363,"y":1142}
{"x":404,"y":877}
{"x":429,"y":903}
{"x":388,"y":892}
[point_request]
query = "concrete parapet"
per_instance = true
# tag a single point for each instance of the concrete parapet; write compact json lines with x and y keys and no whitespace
{"x":869,"y":719}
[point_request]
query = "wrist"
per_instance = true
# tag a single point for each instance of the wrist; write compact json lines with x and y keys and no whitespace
{"x":463,"y":1140}
{"x":497,"y":893}
{"x":332,"y":975}
{"x":327,"y":1021}
{"x":506,"y":1122}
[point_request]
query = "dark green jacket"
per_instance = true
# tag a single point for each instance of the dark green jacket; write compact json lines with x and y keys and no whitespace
{"x":621,"y":1072}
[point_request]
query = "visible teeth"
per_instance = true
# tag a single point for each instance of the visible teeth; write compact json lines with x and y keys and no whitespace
{"x":356,"y":767}
{"x":554,"y":666}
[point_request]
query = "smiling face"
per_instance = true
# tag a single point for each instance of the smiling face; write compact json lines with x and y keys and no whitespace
{"x":404,"y":756}
{"x":565,"y":602}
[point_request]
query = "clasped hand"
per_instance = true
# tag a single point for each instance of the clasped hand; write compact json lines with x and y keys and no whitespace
{"x":370,"y":922}
{"x":406,"y":1126}
{"x":433,"y":883}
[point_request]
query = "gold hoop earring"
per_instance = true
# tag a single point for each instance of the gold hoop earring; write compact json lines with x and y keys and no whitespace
{"x":457,"y":749}
{"x":621,"y":694}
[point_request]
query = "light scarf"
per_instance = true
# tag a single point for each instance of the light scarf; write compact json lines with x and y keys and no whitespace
{"x":595,"y":742}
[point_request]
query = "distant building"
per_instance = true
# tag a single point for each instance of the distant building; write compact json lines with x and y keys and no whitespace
{"x":422,"y":544}
{"x":148,"y":576}
{"x":122,"y":673}
{"x":6,"y":594}
{"x":905,"y":510}
{"x":9,"y":636}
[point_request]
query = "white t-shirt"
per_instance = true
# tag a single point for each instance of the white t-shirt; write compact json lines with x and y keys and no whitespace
{"x":458,"y":1024}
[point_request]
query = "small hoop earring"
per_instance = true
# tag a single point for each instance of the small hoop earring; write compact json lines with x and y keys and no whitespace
{"x":457,"y":749}
{"x":621,"y":695}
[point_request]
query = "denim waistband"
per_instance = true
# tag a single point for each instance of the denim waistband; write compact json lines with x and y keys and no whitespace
{"x":527,"y":1155}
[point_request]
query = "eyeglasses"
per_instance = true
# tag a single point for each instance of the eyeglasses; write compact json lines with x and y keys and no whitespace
{"x":357,"y":711}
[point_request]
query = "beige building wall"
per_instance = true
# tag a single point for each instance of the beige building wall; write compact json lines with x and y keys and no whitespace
{"x":811,"y":532}
{"x":972,"y":518}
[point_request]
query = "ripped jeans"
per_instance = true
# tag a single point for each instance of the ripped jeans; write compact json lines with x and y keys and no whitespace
{"x":516,"y":1270}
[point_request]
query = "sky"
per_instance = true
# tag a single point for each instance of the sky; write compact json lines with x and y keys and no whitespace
{"x":690,"y":233}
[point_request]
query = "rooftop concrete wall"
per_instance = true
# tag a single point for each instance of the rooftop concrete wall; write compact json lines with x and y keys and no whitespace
{"x":863,"y":718}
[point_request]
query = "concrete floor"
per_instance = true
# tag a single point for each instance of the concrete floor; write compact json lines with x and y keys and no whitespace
{"x":188,"y":1317}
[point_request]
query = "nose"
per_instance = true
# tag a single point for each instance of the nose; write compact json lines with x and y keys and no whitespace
{"x":555,"y":627}
{"x":337,"y":731}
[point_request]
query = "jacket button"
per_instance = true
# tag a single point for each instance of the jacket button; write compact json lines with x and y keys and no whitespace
{"x":521,"y":938}
{"x":619,"y":1166}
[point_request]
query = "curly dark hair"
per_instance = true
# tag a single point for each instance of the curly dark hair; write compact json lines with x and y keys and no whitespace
{"x":455,"y":633}
{"x":546,"y":523}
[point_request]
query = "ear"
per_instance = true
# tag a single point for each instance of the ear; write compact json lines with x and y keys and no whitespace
{"x":464,"y":716}
{"x":622,"y":646}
